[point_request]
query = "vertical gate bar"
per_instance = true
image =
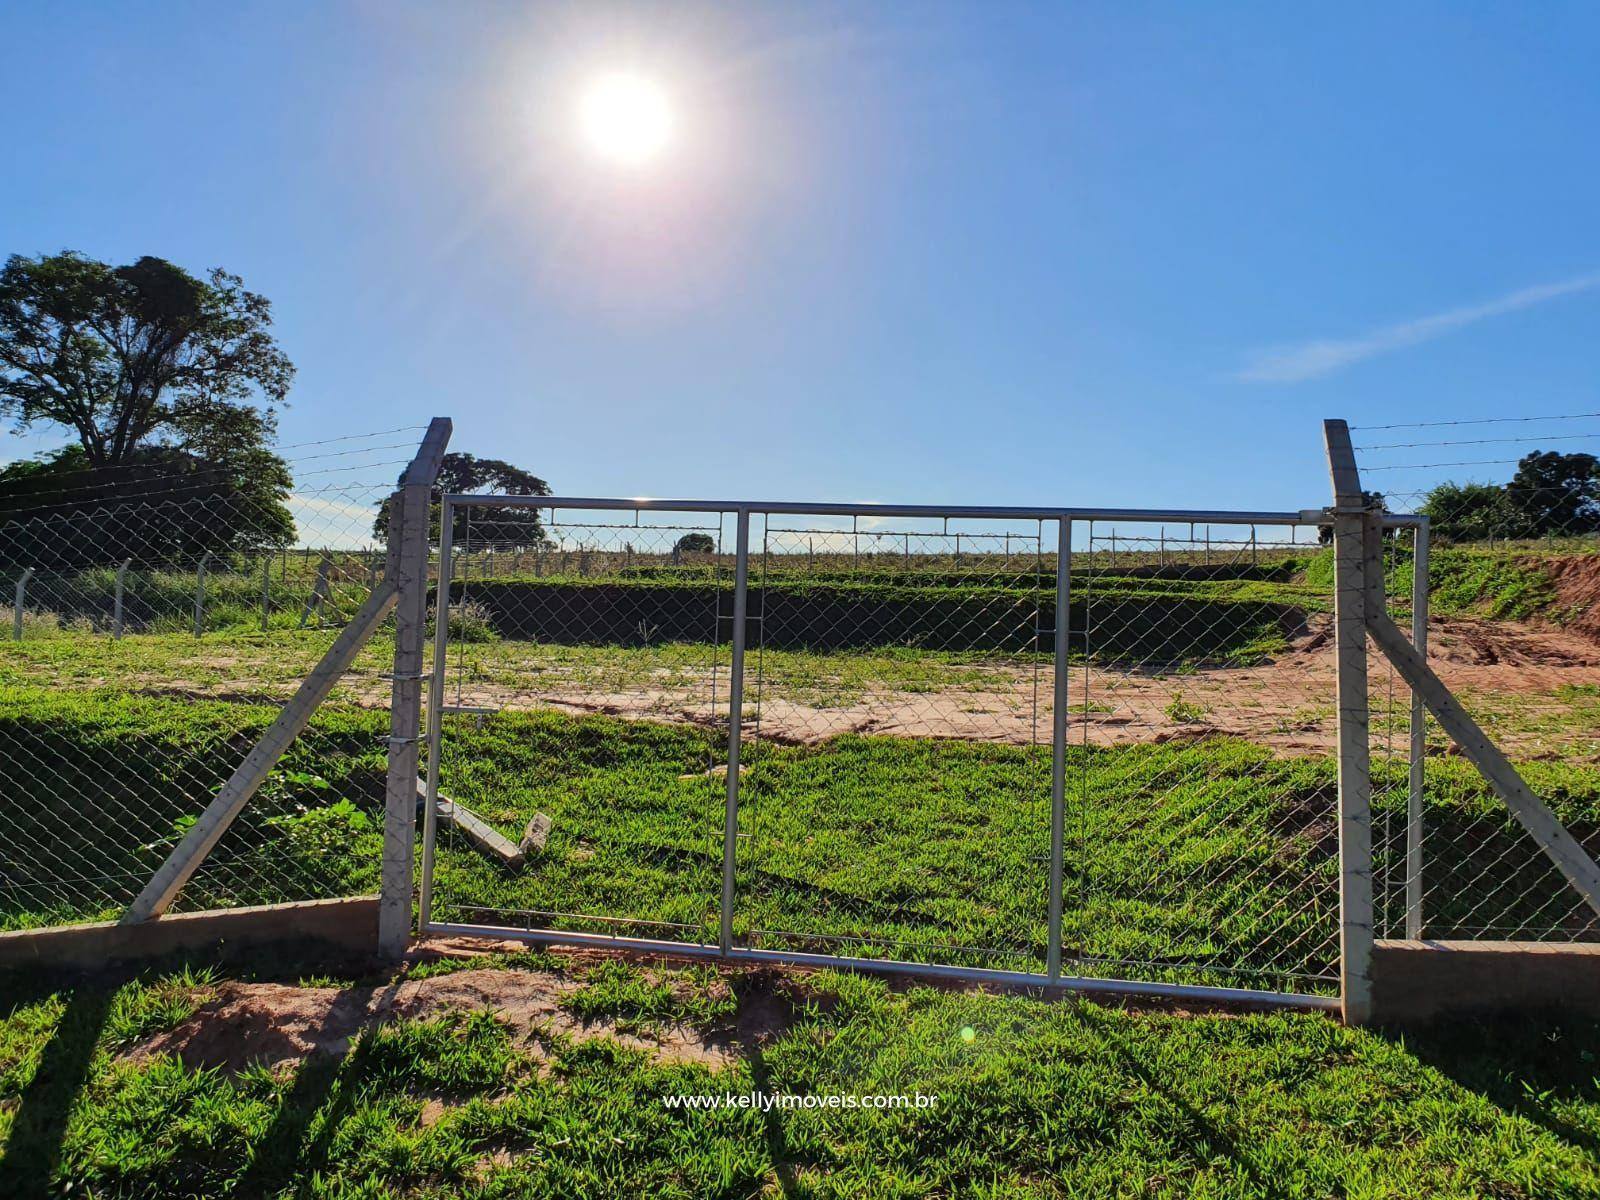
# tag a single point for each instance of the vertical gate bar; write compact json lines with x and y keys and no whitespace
{"x":441,"y":633}
{"x":1350,"y":564}
{"x":200,"y":596}
{"x":22,"y":593}
{"x":116,"y":605}
{"x":1058,"y":744}
{"x":730,"y":819}
{"x":1419,"y":734}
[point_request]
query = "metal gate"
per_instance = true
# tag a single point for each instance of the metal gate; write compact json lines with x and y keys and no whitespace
{"x":1084,"y":748}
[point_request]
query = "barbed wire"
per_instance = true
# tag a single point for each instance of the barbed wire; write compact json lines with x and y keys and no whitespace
{"x":1475,"y":421}
{"x":1566,"y":437}
{"x":65,"y":490}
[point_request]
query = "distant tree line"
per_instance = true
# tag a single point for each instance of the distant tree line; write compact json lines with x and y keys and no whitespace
{"x":1551,"y":494}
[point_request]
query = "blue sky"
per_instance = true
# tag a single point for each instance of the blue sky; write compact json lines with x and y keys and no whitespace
{"x":1115,"y":254}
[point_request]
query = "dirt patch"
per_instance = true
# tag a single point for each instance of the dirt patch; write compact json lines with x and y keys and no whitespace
{"x":1577,"y":582}
{"x":276,"y":1024}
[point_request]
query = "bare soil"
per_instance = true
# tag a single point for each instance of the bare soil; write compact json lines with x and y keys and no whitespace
{"x":1286,"y":702}
{"x":277,"y":1025}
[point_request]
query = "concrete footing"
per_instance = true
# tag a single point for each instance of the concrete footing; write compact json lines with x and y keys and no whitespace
{"x":1415,"y":981}
{"x":334,"y":929}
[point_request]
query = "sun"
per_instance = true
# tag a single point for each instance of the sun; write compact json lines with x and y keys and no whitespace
{"x":626,"y":119}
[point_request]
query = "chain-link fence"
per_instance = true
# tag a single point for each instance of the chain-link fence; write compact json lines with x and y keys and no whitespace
{"x":153,"y":631}
{"x":927,"y":701}
{"x":1512,"y":570}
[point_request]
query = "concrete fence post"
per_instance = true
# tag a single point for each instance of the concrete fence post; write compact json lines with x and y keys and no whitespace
{"x":409,"y":529}
{"x":1351,"y":534}
{"x":200,"y":596}
{"x":116,"y":601}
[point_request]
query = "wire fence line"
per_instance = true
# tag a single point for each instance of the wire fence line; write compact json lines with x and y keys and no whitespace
{"x":153,"y":627}
{"x":1052,"y":743}
{"x":1513,"y":573}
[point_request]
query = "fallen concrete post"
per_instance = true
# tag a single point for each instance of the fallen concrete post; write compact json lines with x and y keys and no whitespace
{"x":450,"y":814}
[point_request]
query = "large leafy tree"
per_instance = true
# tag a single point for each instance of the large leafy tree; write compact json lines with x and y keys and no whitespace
{"x":1558,"y":493}
{"x":137,"y":354}
{"x":166,"y":382}
{"x":481,"y":527}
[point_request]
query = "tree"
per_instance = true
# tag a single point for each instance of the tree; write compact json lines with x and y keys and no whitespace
{"x":482,"y":527}
{"x":1557,"y":493}
{"x":160,"y":506}
{"x":694,"y":543}
{"x":125,"y":356}
{"x":1473,"y":512}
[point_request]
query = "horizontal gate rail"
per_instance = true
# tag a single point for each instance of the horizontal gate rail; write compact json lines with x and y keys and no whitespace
{"x":1066,"y":983}
{"x":936,"y":511}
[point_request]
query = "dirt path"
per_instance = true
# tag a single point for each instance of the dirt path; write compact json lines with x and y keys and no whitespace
{"x":1287,"y":702}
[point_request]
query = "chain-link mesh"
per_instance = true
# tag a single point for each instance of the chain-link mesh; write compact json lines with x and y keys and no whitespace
{"x":152,"y":633}
{"x":898,"y":726}
{"x":586,"y":681}
{"x":1513,"y":631}
{"x":1204,"y":816}
{"x":897,"y":797}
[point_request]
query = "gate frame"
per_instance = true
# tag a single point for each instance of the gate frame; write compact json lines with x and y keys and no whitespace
{"x":1354,"y":866}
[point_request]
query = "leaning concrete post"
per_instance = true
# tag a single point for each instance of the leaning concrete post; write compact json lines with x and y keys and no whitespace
{"x":22,"y":595}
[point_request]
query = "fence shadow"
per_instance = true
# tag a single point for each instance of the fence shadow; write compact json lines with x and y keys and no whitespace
{"x":1529,"y":1064}
{"x":1210,"y":1135}
{"x":33,"y":1151}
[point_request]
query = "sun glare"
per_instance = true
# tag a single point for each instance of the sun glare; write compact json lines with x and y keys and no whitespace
{"x":626,"y":119}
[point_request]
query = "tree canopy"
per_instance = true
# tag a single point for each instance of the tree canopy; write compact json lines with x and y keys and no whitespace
{"x":166,"y":382}
{"x":483,"y":527}
{"x":138,"y":354}
{"x":1551,"y":494}
{"x":159,"y":506}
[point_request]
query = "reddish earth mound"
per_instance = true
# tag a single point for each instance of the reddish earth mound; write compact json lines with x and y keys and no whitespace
{"x":1577,"y":583}
{"x":274,"y":1024}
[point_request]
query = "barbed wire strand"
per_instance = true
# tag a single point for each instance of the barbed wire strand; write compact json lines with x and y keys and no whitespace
{"x":1475,"y":421}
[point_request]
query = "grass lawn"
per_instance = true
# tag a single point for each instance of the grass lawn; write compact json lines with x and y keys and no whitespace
{"x":1209,"y":860}
{"x":1033,"y":1099}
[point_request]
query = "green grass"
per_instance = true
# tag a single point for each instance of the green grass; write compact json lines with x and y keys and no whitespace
{"x":1042,"y":1100}
{"x":636,"y":1001}
{"x":1209,"y":860}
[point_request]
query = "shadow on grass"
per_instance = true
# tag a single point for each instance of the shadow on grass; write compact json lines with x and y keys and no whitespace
{"x":1529,"y":1064}
{"x":322,"y":1094}
{"x":772,"y":1123}
{"x":33,"y":1152}
{"x":1210,"y":1137}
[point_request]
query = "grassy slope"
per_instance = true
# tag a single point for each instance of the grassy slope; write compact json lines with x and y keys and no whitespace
{"x":1210,"y":858}
{"x":1041,"y":1100}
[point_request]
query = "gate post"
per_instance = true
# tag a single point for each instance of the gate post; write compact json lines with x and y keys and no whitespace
{"x":730,"y":820}
{"x":1350,"y":534}
{"x":411,"y":515}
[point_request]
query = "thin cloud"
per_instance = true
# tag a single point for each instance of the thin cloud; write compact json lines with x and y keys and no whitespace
{"x":1309,"y":360}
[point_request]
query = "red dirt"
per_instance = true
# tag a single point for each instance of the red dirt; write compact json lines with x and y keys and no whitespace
{"x":1577,"y":582}
{"x":275,"y":1024}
